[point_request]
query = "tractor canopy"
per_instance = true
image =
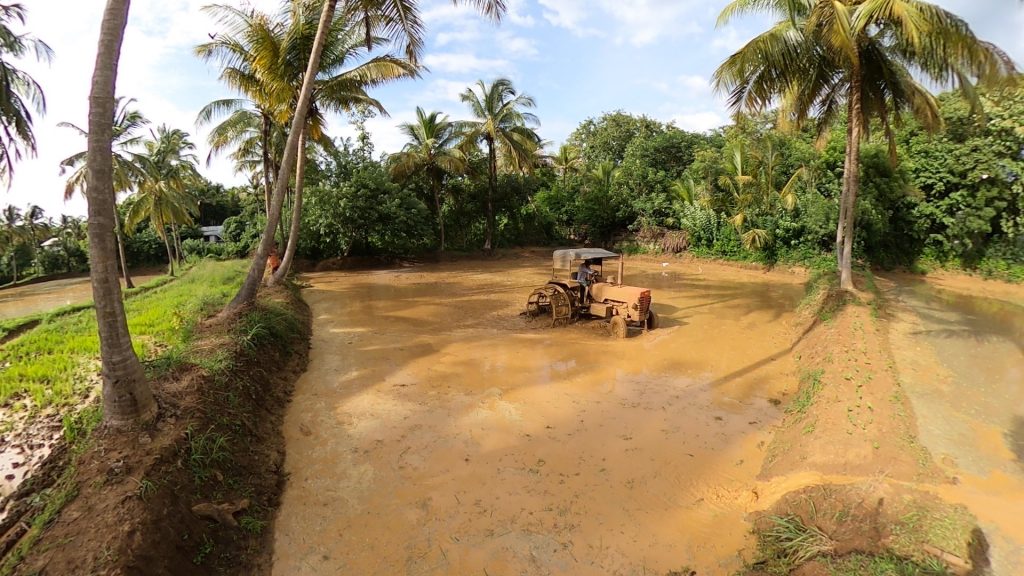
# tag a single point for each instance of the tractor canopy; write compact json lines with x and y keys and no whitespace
{"x":563,"y":259}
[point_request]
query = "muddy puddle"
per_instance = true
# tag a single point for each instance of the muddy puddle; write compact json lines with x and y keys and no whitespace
{"x":438,"y":432}
{"x":960,"y":358}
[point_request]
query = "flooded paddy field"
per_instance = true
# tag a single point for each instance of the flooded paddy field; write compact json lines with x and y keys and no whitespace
{"x":437,"y":431}
{"x":44,"y":296}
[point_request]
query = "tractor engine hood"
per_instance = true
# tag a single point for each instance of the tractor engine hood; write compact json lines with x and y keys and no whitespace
{"x":603,"y":291}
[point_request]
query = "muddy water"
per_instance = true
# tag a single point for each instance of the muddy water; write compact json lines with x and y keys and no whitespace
{"x":35,"y":298}
{"x":438,"y":432}
{"x":960,"y":358}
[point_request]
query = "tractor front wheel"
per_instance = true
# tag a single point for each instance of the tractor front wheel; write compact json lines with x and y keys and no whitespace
{"x":618,"y":327}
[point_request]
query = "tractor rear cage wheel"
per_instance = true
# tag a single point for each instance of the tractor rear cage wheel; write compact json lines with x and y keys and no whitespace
{"x":555,"y":300}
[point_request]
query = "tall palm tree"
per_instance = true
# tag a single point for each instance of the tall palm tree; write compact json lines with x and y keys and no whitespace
{"x":127,"y":397}
{"x":164,"y":194}
{"x":567,"y":161}
{"x":394,"y":19}
{"x":70,"y":232}
{"x":36,"y":228}
{"x":431,"y":151}
{"x":268,"y":67}
{"x":20,"y":94}
{"x":340,"y":86}
{"x":245,"y":48}
{"x":504,"y":128}
{"x":12,"y":234}
{"x":250,"y":286}
{"x":127,"y":171}
{"x":603,"y":176}
{"x":825,"y":58}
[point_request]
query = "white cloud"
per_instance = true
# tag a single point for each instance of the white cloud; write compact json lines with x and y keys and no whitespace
{"x":568,"y":14}
{"x":440,"y":91}
{"x":639,"y":22}
{"x":457,"y":37}
{"x":644,"y":21}
{"x":515,"y":46}
{"x":464,"y":63}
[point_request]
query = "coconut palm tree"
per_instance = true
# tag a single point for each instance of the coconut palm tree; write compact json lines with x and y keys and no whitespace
{"x":431,"y":151}
{"x":861,"y":58}
{"x":504,"y":128}
{"x":567,"y":161}
{"x":127,"y":397}
{"x":127,"y":171}
{"x":164,"y":196}
{"x":20,"y":94}
{"x":12,"y":234}
{"x":245,"y":48}
{"x":395,"y":19}
{"x":269,"y":72}
{"x":340,"y":86}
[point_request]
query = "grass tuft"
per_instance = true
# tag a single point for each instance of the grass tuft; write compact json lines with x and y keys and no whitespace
{"x":810,"y":385}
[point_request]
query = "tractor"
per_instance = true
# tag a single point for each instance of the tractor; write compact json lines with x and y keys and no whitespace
{"x":564,"y":299}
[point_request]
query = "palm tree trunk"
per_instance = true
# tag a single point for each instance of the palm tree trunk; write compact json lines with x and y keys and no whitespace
{"x":437,"y":205}
{"x":284,"y":210}
{"x":267,"y":186}
{"x":847,"y":163}
{"x":167,"y":246}
{"x":126,"y":395}
{"x":178,"y":250}
{"x":14,"y":263}
{"x":119,"y":239}
{"x":851,"y":182}
{"x":492,"y":185}
{"x":293,"y":233}
{"x":247,"y":293}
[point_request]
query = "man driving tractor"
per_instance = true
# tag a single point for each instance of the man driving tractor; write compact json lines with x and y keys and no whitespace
{"x":585,"y":276}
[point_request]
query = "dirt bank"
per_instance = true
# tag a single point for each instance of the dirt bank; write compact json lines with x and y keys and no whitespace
{"x":851,"y":417}
{"x":907,"y":409}
{"x":437,"y":431}
{"x":216,"y":444}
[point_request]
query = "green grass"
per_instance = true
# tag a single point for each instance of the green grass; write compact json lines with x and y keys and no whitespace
{"x":810,"y":385}
{"x":57,"y":362}
{"x":206,"y":450}
{"x":787,"y":543}
{"x":12,"y":324}
{"x":884,"y":565}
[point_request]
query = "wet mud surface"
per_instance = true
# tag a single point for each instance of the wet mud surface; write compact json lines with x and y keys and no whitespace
{"x":960,"y":358}
{"x":439,"y":432}
{"x":36,"y":298}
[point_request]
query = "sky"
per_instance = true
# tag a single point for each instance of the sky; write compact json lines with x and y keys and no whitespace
{"x":577,"y":58}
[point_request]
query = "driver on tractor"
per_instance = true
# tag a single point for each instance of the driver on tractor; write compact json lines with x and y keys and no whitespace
{"x":585,"y":276}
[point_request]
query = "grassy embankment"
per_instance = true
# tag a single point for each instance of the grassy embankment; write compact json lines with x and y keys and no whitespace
{"x":850,"y":418}
{"x":56,"y":363}
{"x":210,"y":382}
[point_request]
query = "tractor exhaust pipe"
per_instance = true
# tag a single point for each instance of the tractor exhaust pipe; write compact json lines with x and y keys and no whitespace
{"x":622,"y":268}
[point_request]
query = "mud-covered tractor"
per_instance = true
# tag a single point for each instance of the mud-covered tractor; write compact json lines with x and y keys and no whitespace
{"x":564,"y":299}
